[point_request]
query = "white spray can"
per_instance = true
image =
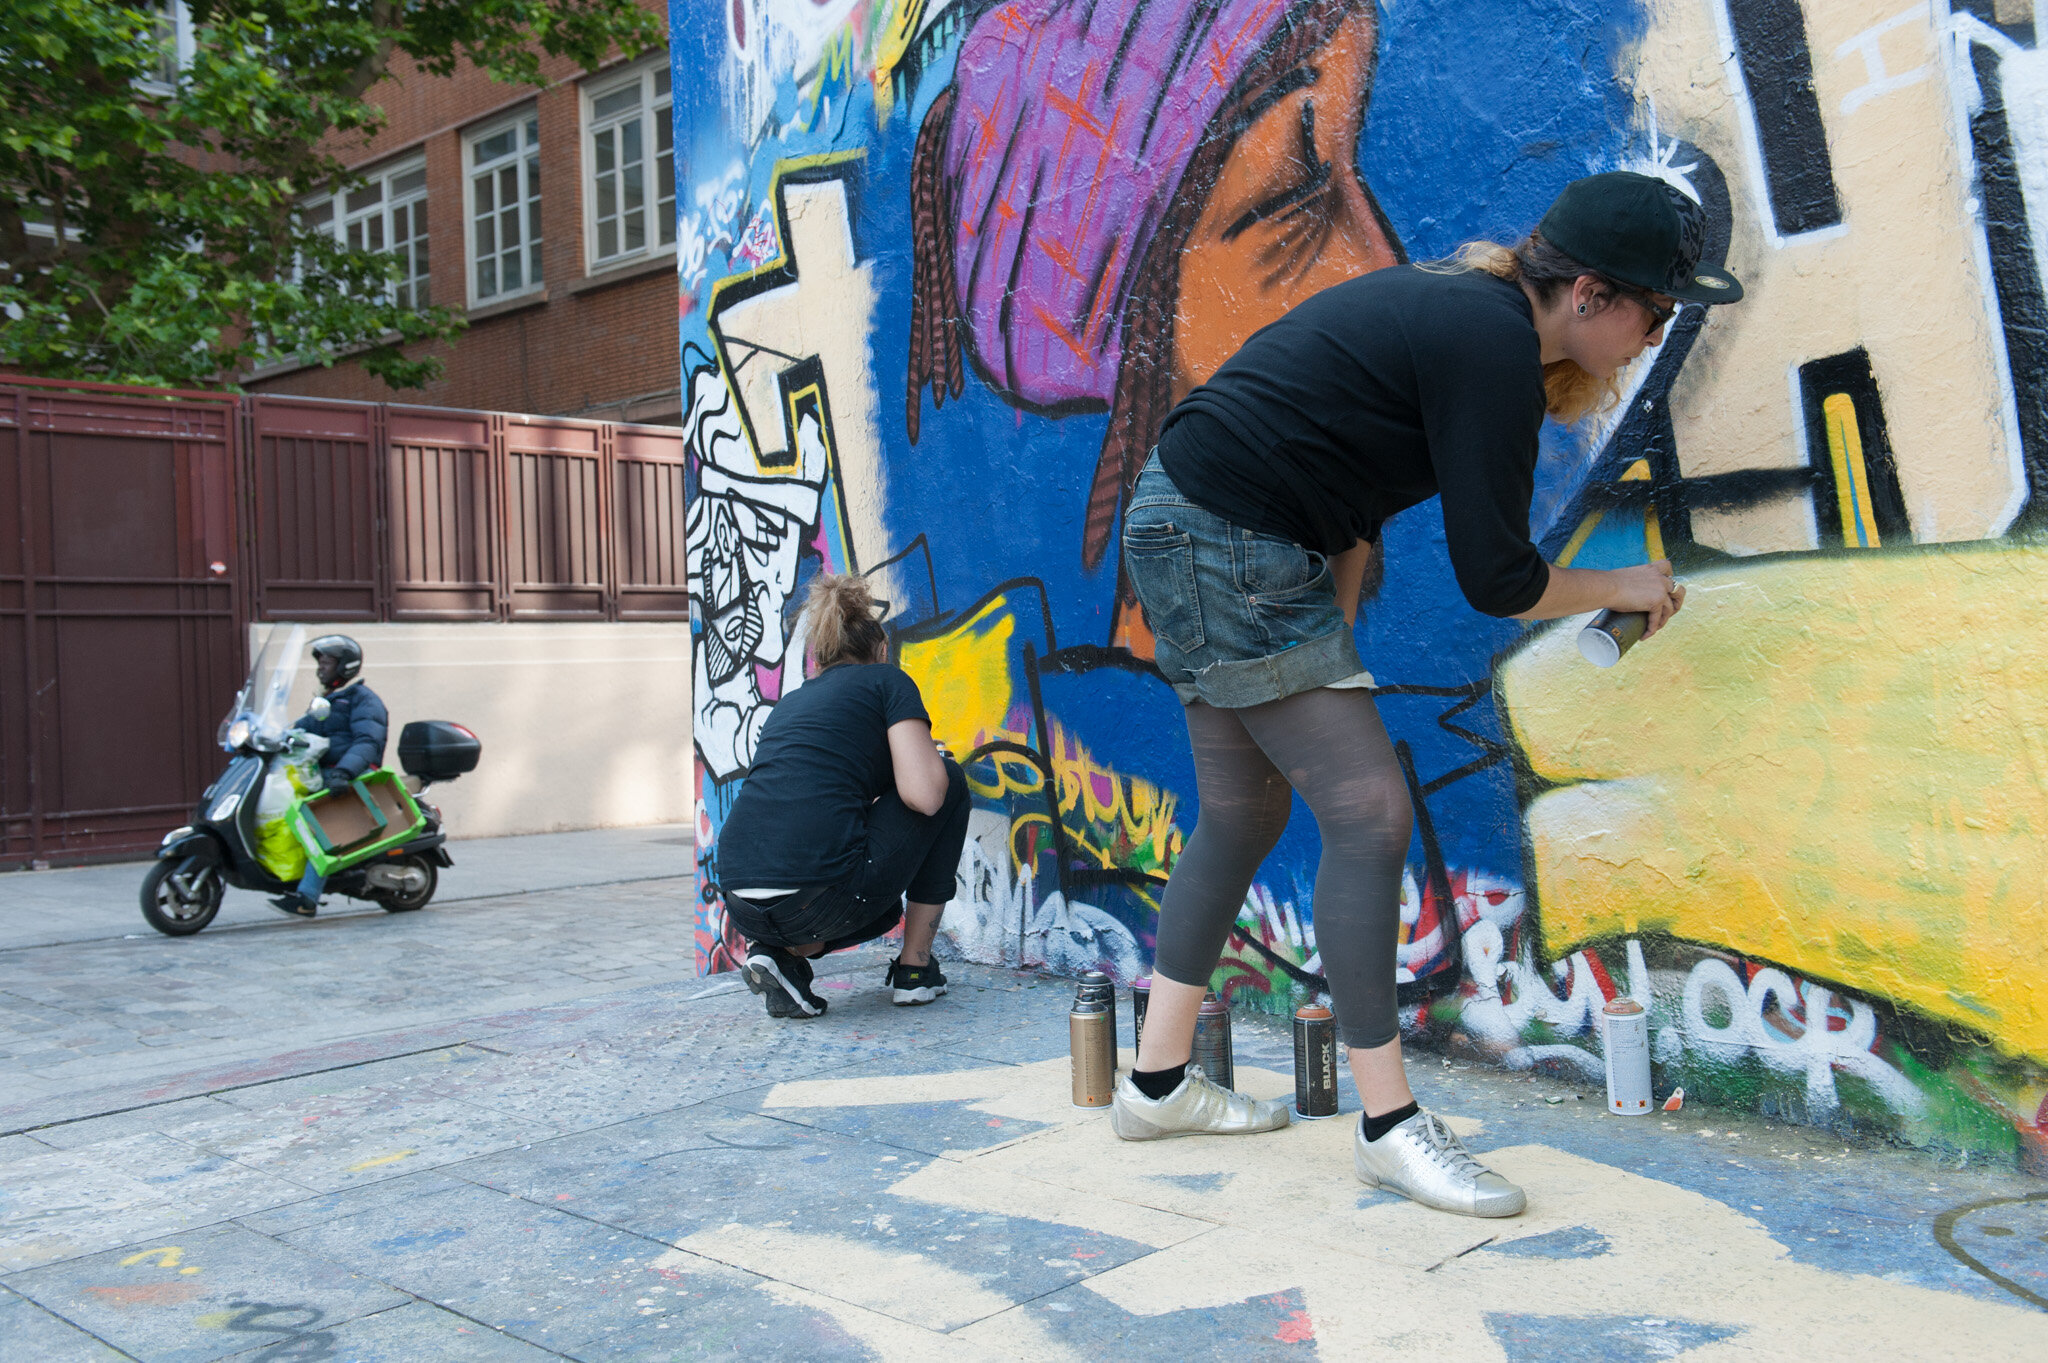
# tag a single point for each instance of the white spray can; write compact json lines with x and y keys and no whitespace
{"x":1628,"y":1057}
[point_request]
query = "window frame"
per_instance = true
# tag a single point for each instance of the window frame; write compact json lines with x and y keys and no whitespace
{"x":175,"y":33}
{"x":419,"y":279}
{"x":525,"y":158}
{"x":657,"y":110}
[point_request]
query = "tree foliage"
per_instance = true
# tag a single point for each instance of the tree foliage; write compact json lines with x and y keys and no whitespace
{"x":148,"y":216}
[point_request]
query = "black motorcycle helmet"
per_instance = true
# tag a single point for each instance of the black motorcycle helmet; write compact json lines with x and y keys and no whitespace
{"x":347,"y":655}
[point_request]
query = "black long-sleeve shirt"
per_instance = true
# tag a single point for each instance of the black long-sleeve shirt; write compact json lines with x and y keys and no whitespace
{"x":1374,"y":395}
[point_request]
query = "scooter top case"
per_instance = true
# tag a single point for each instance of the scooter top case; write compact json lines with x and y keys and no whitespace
{"x":366,"y":818}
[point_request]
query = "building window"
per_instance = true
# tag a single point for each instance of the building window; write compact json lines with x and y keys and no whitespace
{"x":387,"y":212}
{"x":173,"y":31}
{"x":504,"y":210}
{"x":631,"y":198}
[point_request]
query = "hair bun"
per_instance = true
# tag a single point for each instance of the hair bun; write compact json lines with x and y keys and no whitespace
{"x":840,"y":621}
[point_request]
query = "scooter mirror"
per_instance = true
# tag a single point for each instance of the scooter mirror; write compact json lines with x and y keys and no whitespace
{"x":320,"y":707}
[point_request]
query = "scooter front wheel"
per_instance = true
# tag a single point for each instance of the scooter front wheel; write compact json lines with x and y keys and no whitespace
{"x":180,"y":909}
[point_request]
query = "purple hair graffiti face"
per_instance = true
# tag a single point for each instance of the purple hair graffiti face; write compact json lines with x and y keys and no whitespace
{"x":1111,"y":196}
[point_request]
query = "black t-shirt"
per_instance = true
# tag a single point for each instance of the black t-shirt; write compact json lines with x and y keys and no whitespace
{"x":1371,"y":396}
{"x":801,"y":815}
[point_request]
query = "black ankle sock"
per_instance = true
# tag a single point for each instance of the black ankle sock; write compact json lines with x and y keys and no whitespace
{"x":1156,"y":1084}
{"x":1376,"y":1127}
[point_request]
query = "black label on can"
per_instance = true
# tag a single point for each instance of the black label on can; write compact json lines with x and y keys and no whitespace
{"x":1315,"y":1066}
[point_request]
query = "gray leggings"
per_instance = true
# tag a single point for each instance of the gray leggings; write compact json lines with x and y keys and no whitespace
{"x":1331,"y":746}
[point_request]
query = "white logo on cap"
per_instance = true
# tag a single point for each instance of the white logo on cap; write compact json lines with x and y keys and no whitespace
{"x":1710,"y":283}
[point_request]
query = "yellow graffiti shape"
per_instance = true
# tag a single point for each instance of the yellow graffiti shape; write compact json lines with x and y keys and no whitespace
{"x":965,"y":676}
{"x":1130,"y":810}
{"x":166,"y":1256}
{"x":1836,"y":764}
{"x":381,"y":1160}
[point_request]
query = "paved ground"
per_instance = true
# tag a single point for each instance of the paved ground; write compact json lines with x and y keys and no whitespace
{"x":477,"y":1133}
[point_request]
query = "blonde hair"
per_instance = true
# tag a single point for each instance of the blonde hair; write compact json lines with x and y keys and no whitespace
{"x":840,"y":621}
{"x":1569,"y":392}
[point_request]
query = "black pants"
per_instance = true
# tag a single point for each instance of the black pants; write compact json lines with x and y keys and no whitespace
{"x":908,"y":854}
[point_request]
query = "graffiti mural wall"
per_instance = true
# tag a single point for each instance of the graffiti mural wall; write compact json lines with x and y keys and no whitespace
{"x":945,"y":264}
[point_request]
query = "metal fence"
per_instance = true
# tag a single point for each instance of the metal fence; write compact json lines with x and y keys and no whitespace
{"x":386,"y":512}
{"x":142,"y":529}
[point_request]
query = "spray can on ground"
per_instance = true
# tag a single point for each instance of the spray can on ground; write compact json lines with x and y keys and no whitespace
{"x":1212,"y":1040}
{"x":1610,"y":634}
{"x":1315,"y":1061}
{"x":1628,"y":1057}
{"x":1096,"y":985}
{"x":1141,"y":999}
{"x":1091,"y":1040}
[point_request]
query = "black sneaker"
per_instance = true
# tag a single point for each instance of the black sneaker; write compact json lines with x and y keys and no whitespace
{"x":783,"y":981}
{"x":915,"y":983}
{"x":297,"y":905}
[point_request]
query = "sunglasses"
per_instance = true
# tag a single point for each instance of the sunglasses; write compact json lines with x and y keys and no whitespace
{"x":1659,"y":315}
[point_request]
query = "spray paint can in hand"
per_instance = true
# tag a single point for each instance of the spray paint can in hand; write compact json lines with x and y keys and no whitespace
{"x":1628,"y":1057}
{"x":1141,"y":999}
{"x":1610,"y":634}
{"x":1091,"y":1040}
{"x":1212,"y":1040}
{"x":1315,"y":1061}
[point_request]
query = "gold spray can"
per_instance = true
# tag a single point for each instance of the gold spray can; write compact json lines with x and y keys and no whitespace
{"x":1091,"y":1040}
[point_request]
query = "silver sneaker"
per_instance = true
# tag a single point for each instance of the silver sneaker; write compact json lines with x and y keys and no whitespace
{"x":1197,"y":1107}
{"x":1423,"y":1160}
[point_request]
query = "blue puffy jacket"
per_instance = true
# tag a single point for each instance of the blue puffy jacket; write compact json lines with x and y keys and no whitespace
{"x":355,"y":728}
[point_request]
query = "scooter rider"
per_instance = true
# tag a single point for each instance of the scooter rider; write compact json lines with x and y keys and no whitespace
{"x":355,"y":728}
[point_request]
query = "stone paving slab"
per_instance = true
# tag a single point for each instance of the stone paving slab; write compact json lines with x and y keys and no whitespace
{"x":81,"y":1024}
{"x":664,"y":1172}
{"x":32,"y":1332}
{"x":211,"y":1294}
{"x":61,"y":1204}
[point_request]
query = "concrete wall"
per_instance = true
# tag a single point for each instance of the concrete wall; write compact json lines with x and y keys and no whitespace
{"x":946,"y":264}
{"x":583,"y":725}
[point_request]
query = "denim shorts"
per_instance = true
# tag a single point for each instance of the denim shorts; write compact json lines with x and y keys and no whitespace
{"x":1238,"y":617}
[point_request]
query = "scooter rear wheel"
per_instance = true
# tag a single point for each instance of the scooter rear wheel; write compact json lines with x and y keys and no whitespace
{"x":401,"y":901}
{"x":169,"y":910}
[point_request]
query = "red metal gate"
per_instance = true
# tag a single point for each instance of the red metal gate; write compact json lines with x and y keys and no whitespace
{"x":120,"y":638}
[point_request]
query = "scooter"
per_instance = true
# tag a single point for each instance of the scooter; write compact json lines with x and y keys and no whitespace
{"x":391,"y":849}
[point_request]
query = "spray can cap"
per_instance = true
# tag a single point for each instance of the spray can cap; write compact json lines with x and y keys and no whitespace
{"x":1094,"y":977}
{"x":1089,"y":1005}
{"x":1142,"y":982}
{"x":1622,"y":1007}
{"x":1212,"y":1004}
{"x":1312,"y":1012}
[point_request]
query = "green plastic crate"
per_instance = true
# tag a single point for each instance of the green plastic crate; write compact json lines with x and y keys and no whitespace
{"x":367,"y":818}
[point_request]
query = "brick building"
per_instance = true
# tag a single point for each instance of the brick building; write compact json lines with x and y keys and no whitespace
{"x":549,"y":215}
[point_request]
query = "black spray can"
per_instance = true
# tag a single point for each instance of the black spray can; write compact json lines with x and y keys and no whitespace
{"x":1096,"y":985}
{"x":1315,"y":1061}
{"x":1212,"y":1040}
{"x":1091,"y":1041}
{"x":1610,"y":634}
{"x":1141,"y":999}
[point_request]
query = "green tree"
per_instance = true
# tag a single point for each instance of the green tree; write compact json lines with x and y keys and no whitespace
{"x":148,"y":214}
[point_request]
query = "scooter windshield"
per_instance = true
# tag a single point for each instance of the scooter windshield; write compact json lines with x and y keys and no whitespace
{"x":261,"y":713}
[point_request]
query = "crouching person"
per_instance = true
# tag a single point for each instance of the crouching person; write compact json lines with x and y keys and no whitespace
{"x":848,"y":810}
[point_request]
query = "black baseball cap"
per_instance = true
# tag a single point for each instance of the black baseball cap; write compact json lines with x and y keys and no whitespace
{"x":1640,"y":230}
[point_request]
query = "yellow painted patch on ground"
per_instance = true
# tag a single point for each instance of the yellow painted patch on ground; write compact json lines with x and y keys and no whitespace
{"x":1381,"y":1277}
{"x":381,"y":1160}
